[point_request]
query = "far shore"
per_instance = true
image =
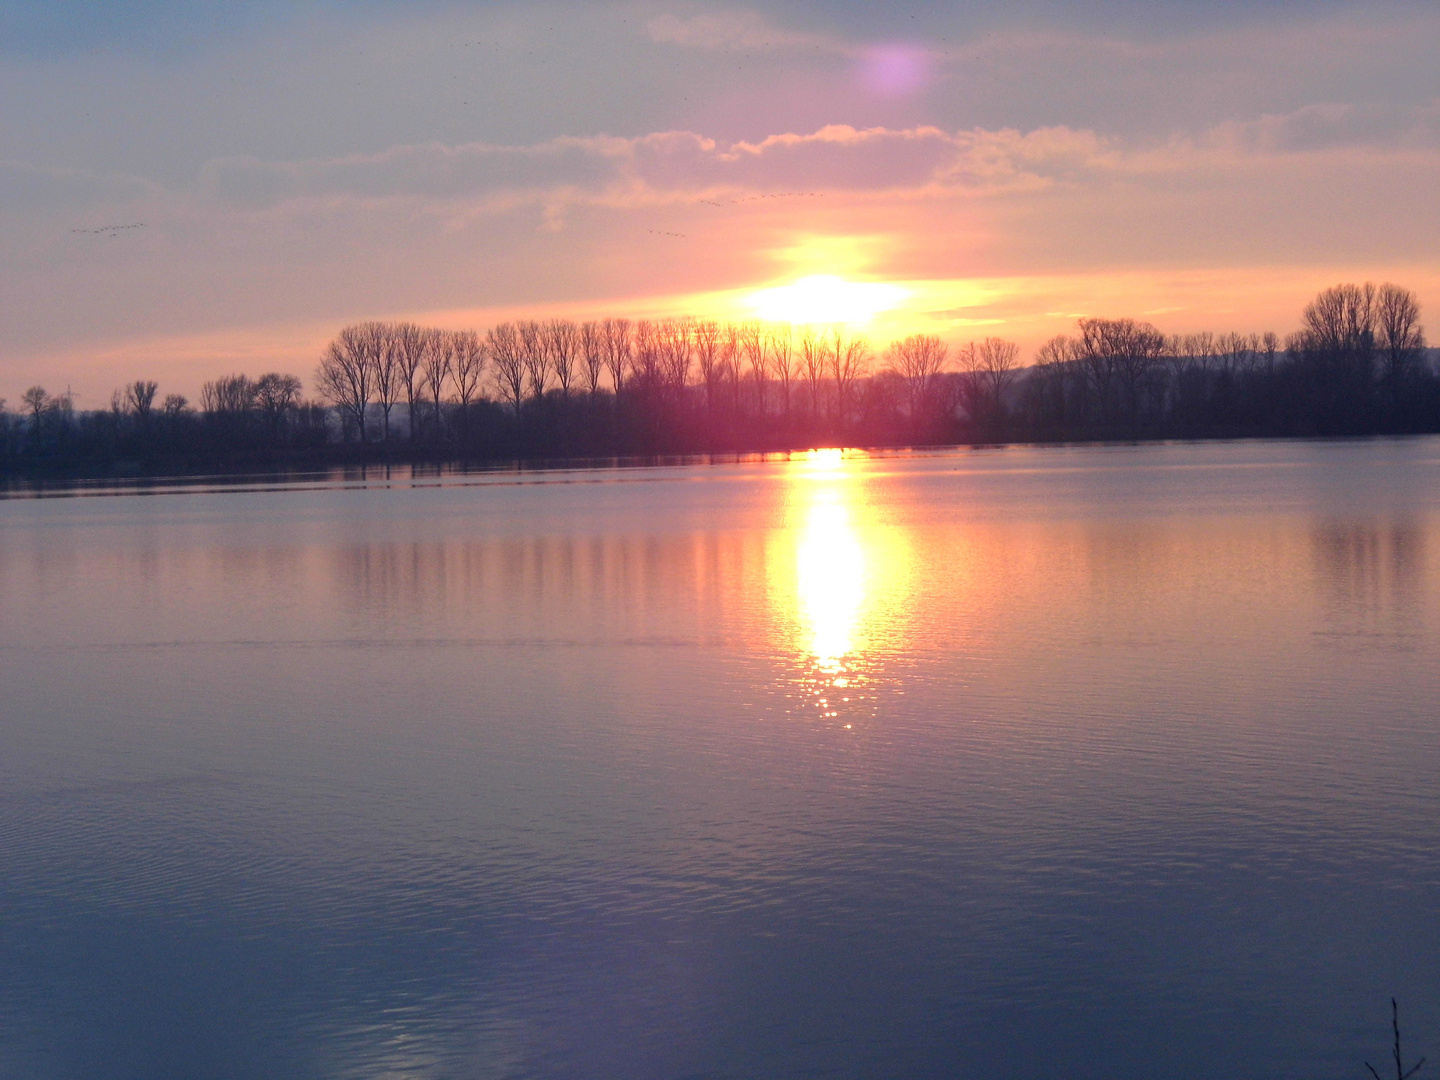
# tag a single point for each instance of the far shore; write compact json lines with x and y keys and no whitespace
{"x":349,"y":463}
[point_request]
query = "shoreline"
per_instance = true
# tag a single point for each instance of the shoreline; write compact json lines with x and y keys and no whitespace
{"x":327,"y":470}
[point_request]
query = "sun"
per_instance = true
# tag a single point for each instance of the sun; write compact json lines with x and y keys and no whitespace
{"x":826,"y":298}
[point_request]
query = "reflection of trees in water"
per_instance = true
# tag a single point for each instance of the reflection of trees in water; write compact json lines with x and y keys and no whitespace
{"x":1371,"y":573}
{"x":688,"y":587}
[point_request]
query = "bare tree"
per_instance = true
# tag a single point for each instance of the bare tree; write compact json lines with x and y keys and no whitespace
{"x":470,"y":358}
{"x":1057,"y":352}
{"x":1196,"y":350}
{"x":813,"y":354}
{"x":562,"y":345}
{"x":1341,"y":321}
{"x":917,"y":359}
{"x":675,"y":341}
{"x":508,"y":353}
{"x":536,"y":356}
{"x":1269,"y":347}
{"x":37,"y":400}
{"x":140,"y":395}
{"x":753,"y":344}
{"x":409,"y":349}
{"x":46,"y":411}
{"x":617,"y":351}
{"x":386,"y":373}
{"x":647,"y":354}
{"x":1097,"y":362}
{"x":849,"y":359}
{"x":437,"y":365}
{"x":231,"y":395}
{"x":1048,"y":386}
{"x":1120,"y":356}
{"x":781,"y":344}
{"x":707,"y":355}
{"x":731,"y":357}
{"x":1235,"y":353}
{"x":275,"y":396}
{"x":174,"y":406}
{"x":592,"y":354}
{"x":1401,"y":338}
{"x":998,"y":367}
{"x":343,"y":378}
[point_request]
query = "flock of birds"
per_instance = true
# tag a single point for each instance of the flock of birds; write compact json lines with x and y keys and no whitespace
{"x":111,"y":231}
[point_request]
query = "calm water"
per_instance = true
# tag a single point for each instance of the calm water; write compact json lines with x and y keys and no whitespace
{"x":1097,"y":762}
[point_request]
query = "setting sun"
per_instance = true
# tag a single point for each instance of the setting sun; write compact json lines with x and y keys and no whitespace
{"x":826,"y":298}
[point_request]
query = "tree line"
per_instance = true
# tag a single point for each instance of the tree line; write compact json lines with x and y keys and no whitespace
{"x":543,"y":388}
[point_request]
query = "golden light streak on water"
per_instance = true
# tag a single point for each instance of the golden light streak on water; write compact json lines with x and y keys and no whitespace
{"x":832,"y":580}
{"x":832,"y":573}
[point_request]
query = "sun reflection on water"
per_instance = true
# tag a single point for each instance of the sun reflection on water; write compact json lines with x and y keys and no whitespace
{"x":831,"y":577}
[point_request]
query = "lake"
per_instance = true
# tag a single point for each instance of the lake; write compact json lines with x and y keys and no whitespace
{"x":1109,"y":761}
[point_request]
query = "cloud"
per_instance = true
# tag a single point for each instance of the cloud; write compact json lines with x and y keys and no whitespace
{"x":661,"y":167}
{"x":664,"y":168}
{"x":27,"y":189}
{"x":734,"y":29}
{"x":428,"y":171}
{"x":1335,"y":125}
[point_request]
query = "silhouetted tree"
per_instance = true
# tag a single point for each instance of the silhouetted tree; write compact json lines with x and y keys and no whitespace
{"x":1120,"y":357}
{"x":732,"y":359}
{"x":849,"y":357}
{"x":592,"y":355}
{"x":675,"y":340}
{"x":437,"y":363}
{"x":1049,"y":390}
{"x":535,"y":356}
{"x":647,"y":355}
{"x":275,"y":396}
{"x":618,"y":351}
{"x":813,"y":354}
{"x":36,"y":399}
{"x":1334,"y":358}
{"x":468,"y":350}
{"x":917,"y":359}
{"x":781,"y":345}
{"x":1401,"y":343}
{"x":343,"y":378}
{"x":508,"y":353}
{"x":562,"y":348}
{"x":1358,"y":363}
{"x":707,"y":356}
{"x":228,"y":396}
{"x":386,"y":372}
{"x":408,"y":342}
{"x":140,"y":395}
{"x":757,"y":356}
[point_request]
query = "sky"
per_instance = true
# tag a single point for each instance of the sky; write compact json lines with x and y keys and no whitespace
{"x":196,"y":187}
